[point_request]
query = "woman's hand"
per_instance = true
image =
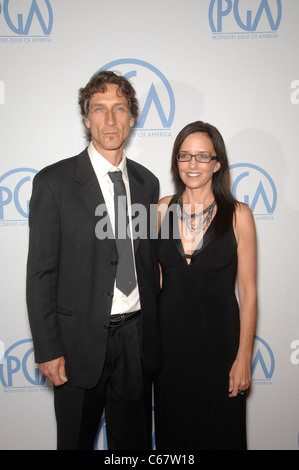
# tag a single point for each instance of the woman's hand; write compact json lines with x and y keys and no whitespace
{"x":239,"y":377}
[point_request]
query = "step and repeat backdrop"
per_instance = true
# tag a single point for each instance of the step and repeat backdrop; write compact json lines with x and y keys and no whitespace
{"x":233,"y":63}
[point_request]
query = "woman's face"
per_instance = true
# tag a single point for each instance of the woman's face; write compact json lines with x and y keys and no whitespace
{"x":196,"y":174}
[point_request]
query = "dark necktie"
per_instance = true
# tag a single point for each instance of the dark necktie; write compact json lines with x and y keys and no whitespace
{"x":125,"y":274}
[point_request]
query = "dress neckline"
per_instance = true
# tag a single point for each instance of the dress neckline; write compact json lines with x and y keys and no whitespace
{"x":206,"y":239}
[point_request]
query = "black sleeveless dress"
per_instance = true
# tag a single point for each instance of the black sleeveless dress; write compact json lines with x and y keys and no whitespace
{"x":199,"y":321}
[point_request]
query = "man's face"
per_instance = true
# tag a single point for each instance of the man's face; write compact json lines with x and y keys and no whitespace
{"x":109,"y":120}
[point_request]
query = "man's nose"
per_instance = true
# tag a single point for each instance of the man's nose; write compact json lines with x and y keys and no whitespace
{"x":110,"y":117}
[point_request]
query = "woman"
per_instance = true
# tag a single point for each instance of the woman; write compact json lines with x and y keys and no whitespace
{"x":207,"y":338}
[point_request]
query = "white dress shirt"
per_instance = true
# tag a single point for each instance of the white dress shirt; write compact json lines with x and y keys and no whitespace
{"x":121,"y":303}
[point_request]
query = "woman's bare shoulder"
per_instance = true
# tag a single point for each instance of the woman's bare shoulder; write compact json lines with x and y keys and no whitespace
{"x":165,"y":200}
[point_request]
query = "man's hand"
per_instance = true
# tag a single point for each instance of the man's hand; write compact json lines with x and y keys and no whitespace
{"x":54,"y":371}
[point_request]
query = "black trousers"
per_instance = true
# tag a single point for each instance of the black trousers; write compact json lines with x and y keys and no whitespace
{"x":124,"y":392}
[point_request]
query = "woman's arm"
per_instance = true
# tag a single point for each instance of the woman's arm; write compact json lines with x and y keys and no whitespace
{"x":240,"y":374}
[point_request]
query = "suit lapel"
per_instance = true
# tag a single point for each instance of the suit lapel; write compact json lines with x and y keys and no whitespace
{"x":89,"y":191}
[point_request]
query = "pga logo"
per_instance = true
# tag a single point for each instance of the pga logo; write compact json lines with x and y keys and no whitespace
{"x":17,"y":366}
{"x":252,"y":185}
{"x":24,"y":17}
{"x":15,"y":192}
{"x":154,"y":93}
{"x":244,"y":16}
{"x":263,"y":362}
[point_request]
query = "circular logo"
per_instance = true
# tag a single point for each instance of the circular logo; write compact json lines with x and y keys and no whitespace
{"x":233,"y":16}
{"x":255,"y":187}
{"x":17,"y":367}
{"x":263,"y":363}
{"x":155,"y":95}
{"x":15,"y":192}
{"x":25,"y":19}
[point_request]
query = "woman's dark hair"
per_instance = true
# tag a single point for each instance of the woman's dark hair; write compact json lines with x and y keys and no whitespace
{"x":226,"y":203}
{"x":98,"y":84}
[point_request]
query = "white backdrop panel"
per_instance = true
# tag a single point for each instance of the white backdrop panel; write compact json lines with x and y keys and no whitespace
{"x":232,"y":63}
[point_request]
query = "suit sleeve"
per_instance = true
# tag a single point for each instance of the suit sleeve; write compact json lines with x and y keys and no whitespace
{"x":42,"y":271}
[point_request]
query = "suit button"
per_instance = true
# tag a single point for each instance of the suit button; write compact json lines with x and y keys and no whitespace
{"x":110,"y":294}
{"x":114,"y":262}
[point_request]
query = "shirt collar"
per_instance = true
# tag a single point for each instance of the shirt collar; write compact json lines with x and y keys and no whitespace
{"x":102,"y":166}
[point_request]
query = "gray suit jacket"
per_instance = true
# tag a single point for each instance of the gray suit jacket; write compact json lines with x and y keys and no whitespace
{"x":71,"y":273}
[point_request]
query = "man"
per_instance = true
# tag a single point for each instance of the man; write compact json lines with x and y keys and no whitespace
{"x":95,"y":343}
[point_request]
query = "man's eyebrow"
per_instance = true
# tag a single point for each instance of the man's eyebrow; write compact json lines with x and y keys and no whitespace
{"x":95,"y":105}
{"x":98,"y":104}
